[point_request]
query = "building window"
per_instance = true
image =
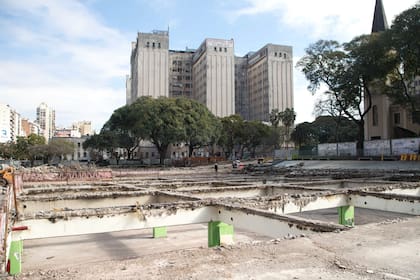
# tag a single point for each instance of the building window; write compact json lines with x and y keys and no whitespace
{"x":159,"y":45}
{"x":153,"y":44}
{"x":147,"y":44}
{"x":375,"y":115}
{"x":220,"y":49}
{"x":284,"y":55}
{"x":147,"y":154}
{"x":225,"y":49}
{"x":78,"y":144}
{"x":153,"y":154}
{"x":397,"y":118}
{"x":215,"y":49}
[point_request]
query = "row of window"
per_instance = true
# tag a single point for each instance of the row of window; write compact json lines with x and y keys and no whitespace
{"x":180,"y":70}
{"x":279,"y":54}
{"x":220,"y":49}
{"x":153,"y":45}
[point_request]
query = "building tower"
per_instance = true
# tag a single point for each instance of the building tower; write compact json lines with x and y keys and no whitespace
{"x":149,"y":66}
{"x":214,"y":76}
{"x":45,"y":117}
{"x":379,"y":19}
{"x":269,"y":81}
{"x":385,"y":119}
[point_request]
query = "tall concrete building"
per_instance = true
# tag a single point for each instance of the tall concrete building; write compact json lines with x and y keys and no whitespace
{"x":387,"y":120}
{"x":149,"y":66}
{"x":10,"y":124}
{"x":269,"y":80}
{"x":180,"y":73}
{"x":214,"y":76}
{"x":251,"y":86}
{"x":45,"y":117}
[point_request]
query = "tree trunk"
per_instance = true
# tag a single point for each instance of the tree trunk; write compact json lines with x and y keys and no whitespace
{"x":162,"y":154}
{"x":190,"y":150}
{"x":361,"y":137}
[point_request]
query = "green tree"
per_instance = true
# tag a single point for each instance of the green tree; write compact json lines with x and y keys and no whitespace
{"x":122,"y":129}
{"x":58,"y":148}
{"x":232,"y":133}
{"x":287,"y":117}
{"x":274,"y":117}
{"x":161,"y":121}
{"x":402,"y":42}
{"x":23,"y":144}
{"x":348,"y":71}
{"x":98,"y":143}
{"x":324,"y":130}
{"x":7,"y":150}
{"x":254,"y":133}
{"x":200,"y":124}
{"x":304,"y":135}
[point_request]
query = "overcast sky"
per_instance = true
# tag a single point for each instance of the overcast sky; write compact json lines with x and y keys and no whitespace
{"x":74,"y":54}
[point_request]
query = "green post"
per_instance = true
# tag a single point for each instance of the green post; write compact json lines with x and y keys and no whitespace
{"x":219,"y":233}
{"x":159,"y":232}
{"x":346,"y":215}
{"x":15,"y":257}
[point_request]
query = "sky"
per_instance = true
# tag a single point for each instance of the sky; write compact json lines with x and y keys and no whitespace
{"x":74,"y":55}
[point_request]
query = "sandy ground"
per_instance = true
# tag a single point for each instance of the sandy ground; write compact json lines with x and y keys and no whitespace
{"x":377,"y":248}
{"x":386,"y":250}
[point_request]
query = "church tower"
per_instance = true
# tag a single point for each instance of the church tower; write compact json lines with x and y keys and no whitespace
{"x":377,"y":121}
{"x":386,"y":120}
{"x":379,"y":19}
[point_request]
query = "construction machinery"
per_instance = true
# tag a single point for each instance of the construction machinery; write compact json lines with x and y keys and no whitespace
{"x":6,"y":175}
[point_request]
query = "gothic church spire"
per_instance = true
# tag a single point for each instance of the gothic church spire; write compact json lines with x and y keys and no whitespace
{"x":379,"y":19}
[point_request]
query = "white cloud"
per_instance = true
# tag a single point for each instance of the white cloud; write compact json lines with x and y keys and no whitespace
{"x":69,"y":59}
{"x":341,"y":20}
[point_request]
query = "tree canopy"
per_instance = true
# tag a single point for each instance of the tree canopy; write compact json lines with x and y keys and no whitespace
{"x":162,"y":121}
{"x":324,"y":130}
{"x":388,"y":61}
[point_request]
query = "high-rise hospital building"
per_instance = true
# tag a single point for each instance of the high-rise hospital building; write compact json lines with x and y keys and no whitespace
{"x":251,"y":86}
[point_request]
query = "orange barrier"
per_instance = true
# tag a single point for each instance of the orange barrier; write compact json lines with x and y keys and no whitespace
{"x":411,"y":157}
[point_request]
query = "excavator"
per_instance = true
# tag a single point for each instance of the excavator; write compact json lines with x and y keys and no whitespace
{"x":6,"y":175}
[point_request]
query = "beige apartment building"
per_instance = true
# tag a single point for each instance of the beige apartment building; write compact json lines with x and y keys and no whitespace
{"x":214,"y":76}
{"x":45,"y":117}
{"x":149,"y":66}
{"x":10,"y":124}
{"x":269,"y":81}
{"x":83,"y":127}
{"x":387,"y":120}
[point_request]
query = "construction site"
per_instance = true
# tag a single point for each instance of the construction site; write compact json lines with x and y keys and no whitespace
{"x":293,"y":220}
